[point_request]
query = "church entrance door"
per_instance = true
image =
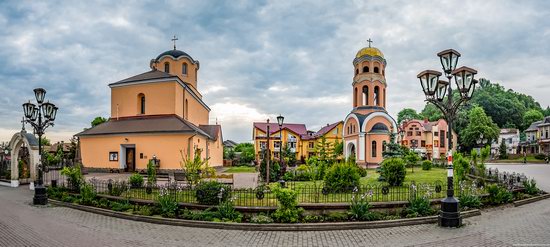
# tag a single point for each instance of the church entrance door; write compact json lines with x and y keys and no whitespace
{"x":130,"y":160}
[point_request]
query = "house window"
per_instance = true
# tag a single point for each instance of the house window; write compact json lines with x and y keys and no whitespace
{"x":436,"y":143}
{"x":167,"y":67}
{"x":263,"y":145}
{"x":409,"y":133}
{"x":277,"y":144}
{"x":335,"y":131}
{"x":436,"y":133}
{"x":418,"y":133}
{"x":365,"y":69}
{"x":373,"y":151}
{"x":422,"y":143}
{"x":141,"y":102}
{"x":442,"y":138}
{"x":184,"y":69}
{"x":311,"y":145}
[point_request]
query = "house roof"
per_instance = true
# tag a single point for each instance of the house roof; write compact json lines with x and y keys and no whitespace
{"x":66,"y":147}
{"x":212,"y":130}
{"x":229,"y":143}
{"x":145,"y":124}
{"x":299,"y":129}
{"x":326,"y":129}
{"x":509,"y":131}
{"x":534,"y":126}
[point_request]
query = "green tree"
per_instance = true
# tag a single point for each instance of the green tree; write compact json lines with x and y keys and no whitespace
{"x":407,"y":114}
{"x":338,"y":150}
{"x":246,"y":151}
{"x":480,"y":125}
{"x":412,"y":158}
{"x":324,"y":150}
{"x":531,"y":116}
{"x":288,"y":156}
{"x":45,"y":141}
{"x":393,"y":149}
{"x":98,"y":120}
{"x":431,"y":112}
{"x":503,"y":150}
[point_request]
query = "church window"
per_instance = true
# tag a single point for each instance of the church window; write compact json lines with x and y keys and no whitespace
{"x":376,"y":96}
{"x":365,"y":69}
{"x":373,"y":147}
{"x":141,"y":102}
{"x":356,"y":71}
{"x":384,"y":146}
{"x":376,"y":70}
{"x":365,"y":95}
{"x":184,"y":69}
{"x":384,"y":96}
{"x":355,"y":97}
{"x":167,"y":67}
{"x":384,"y":72}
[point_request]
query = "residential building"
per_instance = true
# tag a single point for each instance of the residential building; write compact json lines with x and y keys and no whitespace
{"x":154,"y":115}
{"x":429,"y":139}
{"x":537,"y":137}
{"x":368,"y":126}
{"x":510,"y":137}
{"x":300,"y":141}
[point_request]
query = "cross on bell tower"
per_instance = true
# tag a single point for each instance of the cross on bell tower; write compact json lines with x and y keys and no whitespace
{"x":369,"y":41}
{"x":174,"y":40}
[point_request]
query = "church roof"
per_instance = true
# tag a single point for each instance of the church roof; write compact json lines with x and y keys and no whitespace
{"x":370,"y":51}
{"x":149,"y":75}
{"x":379,"y":128}
{"x":145,"y":124}
{"x":175,"y":54}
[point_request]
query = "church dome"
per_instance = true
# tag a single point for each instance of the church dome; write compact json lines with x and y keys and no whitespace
{"x":370,"y":51}
{"x":175,"y":54}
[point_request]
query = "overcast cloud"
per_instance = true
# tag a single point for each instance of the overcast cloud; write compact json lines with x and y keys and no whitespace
{"x":260,"y":58}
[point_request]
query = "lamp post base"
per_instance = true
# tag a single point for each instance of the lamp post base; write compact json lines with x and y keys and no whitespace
{"x":40,"y":195}
{"x":449,"y":216}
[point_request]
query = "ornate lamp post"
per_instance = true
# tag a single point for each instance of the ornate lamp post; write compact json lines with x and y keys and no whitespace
{"x":280,"y":120}
{"x":436,"y":90}
{"x":40,"y":117}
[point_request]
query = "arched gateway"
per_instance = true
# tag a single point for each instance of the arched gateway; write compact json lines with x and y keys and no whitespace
{"x":18,"y":143}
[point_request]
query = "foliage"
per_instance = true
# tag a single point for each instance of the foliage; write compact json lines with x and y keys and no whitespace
{"x":407,"y":114}
{"x":74,"y":176}
{"x":392,"y":148}
{"x":193,"y":167}
{"x":502,"y":150}
{"x":117,"y":188}
{"x":45,"y":141}
{"x":325,"y":150}
{"x":227,"y":212}
{"x":531,"y":116}
{"x":261,"y":219}
{"x":246,"y":151}
{"x":431,"y":112}
{"x":23,"y":169}
{"x":274,"y":170}
{"x":336,"y":216}
{"x":480,"y":125}
{"x":145,"y":210}
{"x":151,"y":173}
{"x":530,"y":187}
{"x":360,"y":208}
{"x":460,"y":166}
{"x":289,"y":157}
{"x":166,"y":202}
{"x":426,"y":165}
{"x":469,"y":201}
{"x":418,"y":206}
{"x":212,"y":193}
{"x":120,"y":206}
{"x":53,"y":159}
{"x":97,"y":121}
{"x":540,"y":156}
{"x":287,"y":211}
{"x":205,"y":215}
{"x":412,"y":158}
{"x":484,"y":154}
{"x":338,"y":150}
{"x":498,"y":194}
{"x":228,"y":153}
{"x":342,"y":177}
{"x":104,"y":203}
{"x":136,"y":180}
{"x":87,"y":194}
{"x":393,"y":170}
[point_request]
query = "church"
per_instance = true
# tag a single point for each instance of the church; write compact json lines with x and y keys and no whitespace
{"x":154,"y":115}
{"x":368,"y":126}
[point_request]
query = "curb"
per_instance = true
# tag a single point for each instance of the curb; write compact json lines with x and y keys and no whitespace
{"x":262,"y":227}
{"x":531,"y":200}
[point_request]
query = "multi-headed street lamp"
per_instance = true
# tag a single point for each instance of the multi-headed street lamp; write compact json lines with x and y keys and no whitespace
{"x":40,"y":116}
{"x":440,"y":93}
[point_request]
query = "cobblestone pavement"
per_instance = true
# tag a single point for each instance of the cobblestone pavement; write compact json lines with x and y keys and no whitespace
{"x":24,"y":225}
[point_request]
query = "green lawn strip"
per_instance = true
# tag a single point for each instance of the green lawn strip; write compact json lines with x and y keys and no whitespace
{"x":241,"y":169}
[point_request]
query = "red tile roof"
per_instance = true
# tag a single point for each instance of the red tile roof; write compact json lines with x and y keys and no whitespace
{"x":299,"y":129}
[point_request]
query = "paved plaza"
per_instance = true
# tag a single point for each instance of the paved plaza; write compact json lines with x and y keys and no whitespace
{"x":24,"y":225}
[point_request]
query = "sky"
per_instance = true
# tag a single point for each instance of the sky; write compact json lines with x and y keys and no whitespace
{"x":260,"y":59}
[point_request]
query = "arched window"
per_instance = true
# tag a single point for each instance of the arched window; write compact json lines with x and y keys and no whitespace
{"x":384,"y":72}
{"x":384,"y":95}
{"x":365,"y":95}
{"x":355,"y":97}
{"x":365,"y":69}
{"x":167,"y":67}
{"x":376,"y":70}
{"x":186,"y":110}
{"x":376,"y":96}
{"x":356,"y":71}
{"x":184,"y":68}
{"x":141,"y":103}
{"x":384,"y":146}
{"x":373,"y":152}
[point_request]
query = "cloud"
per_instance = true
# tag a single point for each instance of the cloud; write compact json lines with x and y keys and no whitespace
{"x":260,"y":58}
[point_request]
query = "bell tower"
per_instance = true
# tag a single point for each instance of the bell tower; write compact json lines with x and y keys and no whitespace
{"x":369,"y":80}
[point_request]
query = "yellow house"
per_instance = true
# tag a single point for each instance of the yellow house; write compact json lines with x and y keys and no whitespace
{"x":154,"y":115}
{"x":301,"y":141}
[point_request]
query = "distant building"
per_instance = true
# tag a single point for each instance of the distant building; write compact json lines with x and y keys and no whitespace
{"x":229,"y":144}
{"x":537,"y":137}
{"x":427,"y":138}
{"x":301,"y":141}
{"x":510,"y":137}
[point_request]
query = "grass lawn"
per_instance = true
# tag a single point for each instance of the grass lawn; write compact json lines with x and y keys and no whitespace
{"x":241,"y":169}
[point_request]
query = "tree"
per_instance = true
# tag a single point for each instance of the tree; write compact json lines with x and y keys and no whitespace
{"x":324,"y":150}
{"x":338,"y":150}
{"x":392,"y":149}
{"x":531,"y":116}
{"x":45,"y":141}
{"x":97,"y":121}
{"x":431,"y":112}
{"x":289,"y":157}
{"x":547,"y":111}
{"x":407,"y":114}
{"x":480,"y":125}
{"x":246,"y":151}
{"x":412,"y":158}
{"x":502,"y":150}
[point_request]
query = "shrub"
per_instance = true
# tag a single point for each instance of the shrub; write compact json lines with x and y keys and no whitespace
{"x":426,"y":165}
{"x":274,"y":170}
{"x":460,"y":166}
{"x":360,"y":208}
{"x":145,"y":210}
{"x":287,"y":210}
{"x":120,"y":206}
{"x":227,"y":212}
{"x":261,"y":219}
{"x":418,"y":206}
{"x":336,"y":216}
{"x":498,"y":194}
{"x":204,"y":215}
{"x":136,"y":180}
{"x":530,"y":187}
{"x":67,"y":198}
{"x":342,"y":177}
{"x":117,"y":188}
{"x":468,"y":201}
{"x":393,"y":170}
{"x":540,"y":156}
{"x":313,"y":219}
{"x":362,"y":171}
{"x":289,"y":176}
{"x":87,"y":194}
{"x":166,"y":202}
{"x":104,"y":203}
{"x":212,"y":193}
{"x":151,"y":173}
{"x":74,"y":176}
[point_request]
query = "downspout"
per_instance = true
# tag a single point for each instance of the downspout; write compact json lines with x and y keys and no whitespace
{"x":189,"y":144}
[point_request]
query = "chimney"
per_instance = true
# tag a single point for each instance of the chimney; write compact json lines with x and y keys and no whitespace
{"x":426,"y":120}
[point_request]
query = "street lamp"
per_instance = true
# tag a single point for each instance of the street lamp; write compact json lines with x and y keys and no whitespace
{"x":280,"y":121}
{"x":40,"y":117}
{"x":436,"y":90}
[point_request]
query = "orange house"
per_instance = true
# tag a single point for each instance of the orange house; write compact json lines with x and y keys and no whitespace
{"x":155,"y":114}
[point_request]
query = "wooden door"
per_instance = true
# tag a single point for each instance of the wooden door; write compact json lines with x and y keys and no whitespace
{"x":130,"y":159}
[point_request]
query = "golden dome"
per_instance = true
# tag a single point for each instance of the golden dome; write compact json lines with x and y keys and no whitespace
{"x":371,"y":51}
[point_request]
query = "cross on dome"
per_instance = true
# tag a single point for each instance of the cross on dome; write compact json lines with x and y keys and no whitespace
{"x":369,"y":41}
{"x":174,"y":40}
